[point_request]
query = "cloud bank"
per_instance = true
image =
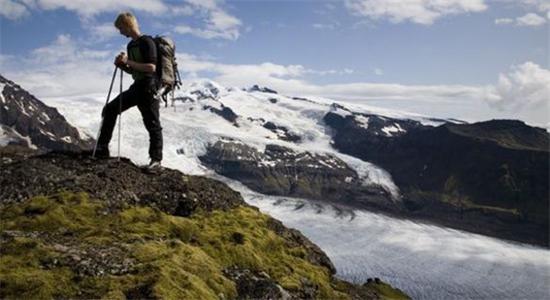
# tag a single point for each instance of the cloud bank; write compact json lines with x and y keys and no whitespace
{"x":214,"y":20}
{"x":524,"y":89}
{"x":530,"y":19}
{"x":65,"y":68}
{"x":424,"y":12}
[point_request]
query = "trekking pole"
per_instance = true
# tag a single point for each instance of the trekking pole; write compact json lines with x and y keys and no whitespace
{"x":173,"y":101}
{"x":120,"y":115}
{"x":102,"y":118}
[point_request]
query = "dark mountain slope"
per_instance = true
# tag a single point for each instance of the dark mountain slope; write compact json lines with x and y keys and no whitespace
{"x":488,"y":177}
{"x":25,"y":120}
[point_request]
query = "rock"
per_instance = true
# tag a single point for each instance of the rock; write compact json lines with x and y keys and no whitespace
{"x":30,"y":123}
{"x":119,"y":183}
{"x":282,"y":171}
{"x":254,"y":285}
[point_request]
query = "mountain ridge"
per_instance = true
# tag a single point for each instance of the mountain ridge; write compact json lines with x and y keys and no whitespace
{"x":27,"y":121}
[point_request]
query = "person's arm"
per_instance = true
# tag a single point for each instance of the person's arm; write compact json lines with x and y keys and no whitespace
{"x":126,"y":68}
{"x":141,"y":67}
{"x":128,"y":65}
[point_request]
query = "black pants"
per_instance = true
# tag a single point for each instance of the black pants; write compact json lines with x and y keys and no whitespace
{"x":140,"y":94}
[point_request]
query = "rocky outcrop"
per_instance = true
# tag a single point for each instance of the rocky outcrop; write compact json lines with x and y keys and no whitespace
{"x":282,"y":132}
{"x":256,"y":88}
{"x":119,"y":183}
{"x":488,"y":177}
{"x":225,"y":112}
{"x":282,"y":171}
{"x":25,"y":120}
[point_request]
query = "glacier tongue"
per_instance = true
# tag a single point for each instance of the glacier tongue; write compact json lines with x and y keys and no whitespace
{"x":425,"y":261}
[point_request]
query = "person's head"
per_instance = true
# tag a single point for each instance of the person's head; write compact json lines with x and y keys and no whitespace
{"x":126,"y":23}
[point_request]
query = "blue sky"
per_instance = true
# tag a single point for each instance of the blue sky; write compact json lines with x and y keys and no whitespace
{"x":470,"y":59}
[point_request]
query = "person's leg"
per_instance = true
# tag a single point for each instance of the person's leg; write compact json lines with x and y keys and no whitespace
{"x":149,"y":108}
{"x":110,"y":113}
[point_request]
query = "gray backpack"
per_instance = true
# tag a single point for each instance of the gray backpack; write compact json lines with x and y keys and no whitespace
{"x":167,"y":68}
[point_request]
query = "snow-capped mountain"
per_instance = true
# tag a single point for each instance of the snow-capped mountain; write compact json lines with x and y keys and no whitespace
{"x":26,"y":121}
{"x":488,"y":177}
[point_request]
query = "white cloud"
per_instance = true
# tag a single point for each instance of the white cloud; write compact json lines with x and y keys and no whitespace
{"x":88,"y":8}
{"x":345,"y":71}
{"x":102,"y":32}
{"x":504,"y":21}
{"x":218,"y":23}
{"x":525,"y":90}
{"x":66,"y":68}
{"x":540,"y":5}
{"x":61,"y":68}
{"x":12,"y":10}
{"x":181,"y":10}
{"x":524,"y":93}
{"x":289,"y":79}
{"x":530,"y":19}
{"x":424,"y":12}
{"x":378,"y":71}
{"x":322,"y":26}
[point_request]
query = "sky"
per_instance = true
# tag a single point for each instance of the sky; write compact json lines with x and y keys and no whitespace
{"x":468,"y":59}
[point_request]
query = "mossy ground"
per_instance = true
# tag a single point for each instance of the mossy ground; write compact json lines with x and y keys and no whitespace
{"x":170,"y":257}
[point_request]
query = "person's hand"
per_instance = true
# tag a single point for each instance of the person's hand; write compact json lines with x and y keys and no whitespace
{"x":121,"y":59}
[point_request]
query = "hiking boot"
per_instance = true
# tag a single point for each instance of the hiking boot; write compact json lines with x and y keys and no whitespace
{"x":154,"y":165}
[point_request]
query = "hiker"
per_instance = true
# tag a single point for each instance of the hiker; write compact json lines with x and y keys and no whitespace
{"x":141,"y":63}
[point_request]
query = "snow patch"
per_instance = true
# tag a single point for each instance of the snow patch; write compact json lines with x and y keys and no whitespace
{"x":362,"y":121}
{"x":2,"y":85}
{"x":5,"y":139}
{"x":45,"y":116}
{"x":8,"y":135}
{"x":371,"y":174}
{"x":389,"y":130}
{"x":50,"y":135}
{"x":339,"y":111}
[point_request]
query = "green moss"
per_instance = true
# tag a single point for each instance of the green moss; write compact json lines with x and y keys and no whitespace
{"x":386,"y":291}
{"x":452,"y":195}
{"x":20,"y":271}
{"x":173,"y":257}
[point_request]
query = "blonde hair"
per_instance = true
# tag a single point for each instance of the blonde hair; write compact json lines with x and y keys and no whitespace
{"x":126,"y":20}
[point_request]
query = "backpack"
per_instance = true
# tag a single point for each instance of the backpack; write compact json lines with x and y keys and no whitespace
{"x":167,"y":69}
